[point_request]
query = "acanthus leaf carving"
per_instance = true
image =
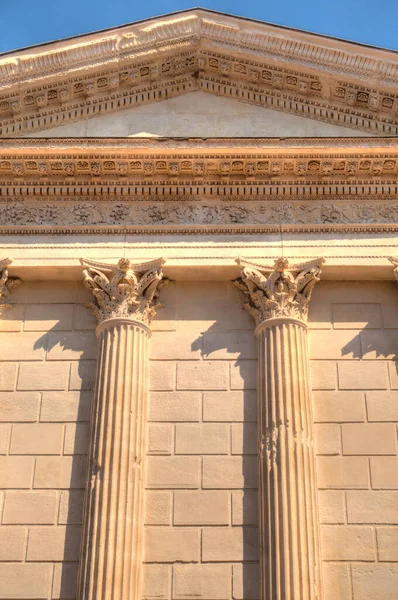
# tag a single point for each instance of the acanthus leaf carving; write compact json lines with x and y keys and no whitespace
{"x":125,"y":290}
{"x":6,"y":283}
{"x":279,"y":291}
{"x":394,"y":261}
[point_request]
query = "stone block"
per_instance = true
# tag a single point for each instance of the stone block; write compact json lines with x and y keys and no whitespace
{"x":53,"y":544}
{"x":60,"y":472}
{"x":384,"y":472}
{"x":169,"y":545}
{"x":323,"y":375}
{"x":370,"y":582}
{"x":331,"y":507}
{"x":65,"y":406}
{"x":173,"y":472}
{"x":162,"y":376}
{"x":42,"y":376}
{"x":245,"y":582}
{"x":387,"y":544}
{"x":16,"y":472}
{"x":356,"y":316}
{"x":362,"y":375}
{"x":201,"y":508}
{"x":243,"y":375}
{"x":372,"y":507}
{"x":175,"y":406}
{"x":12,"y":318}
{"x":369,"y":438}
{"x":160,"y":439}
{"x":203,"y":375}
{"x":229,"y":544}
{"x":46,"y":317}
{"x":76,"y":438}
{"x":24,"y":346}
{"x":230,"y":345}
{"x":232,"y":472}
{"x":207,"y":438}
{"x":244,"y":508}
{"x":8,"y":376}
{"x":176,"y":345}
{"x":30,"y":508}
{"x":336,"y":581}
{"x":230,"y":406}
{"x":156,"y":582}
{"x":38,"y":438}
{"x":84,"y":319}
{"x":347,"y":543}
{"x":393,"y":374}
{"x":382,"y":406}
{"x":379,"y":344}
{"x":244,"y":438}
{"x":12,"y":543}
{"x":158,"y":508}
{"x":334,"y":345}
{"x":82,"y":375}
{"x":338,"y":407}
{"x":71,"y":507}
{"x":45,"y":292}
{"x":5,"y":432}
{"x":65,"y":581}
{"x":19,"y":406}
{"x":27,"y":581}
{"x":327,"y":439}
{"x":335,"y":472}
{"x":73,"y":345}
{"x":208,"y":582}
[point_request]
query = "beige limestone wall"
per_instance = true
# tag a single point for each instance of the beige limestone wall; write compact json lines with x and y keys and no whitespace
{"x":201,"y":538}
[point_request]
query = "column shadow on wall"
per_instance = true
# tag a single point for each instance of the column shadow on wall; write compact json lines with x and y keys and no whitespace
{"x":369,"y":341}
{"x":249,"y":589}
{"x":70,"y":509}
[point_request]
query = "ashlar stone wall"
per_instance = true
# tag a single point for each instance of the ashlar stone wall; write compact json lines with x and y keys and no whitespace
{"x":201,"y":535}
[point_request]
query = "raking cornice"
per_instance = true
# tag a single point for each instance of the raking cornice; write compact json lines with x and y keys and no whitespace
{"x":309,"y":75}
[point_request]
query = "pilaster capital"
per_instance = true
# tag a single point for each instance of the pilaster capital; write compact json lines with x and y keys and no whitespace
{"x":394,"y":261}
{"x":278,"y":291}
{"x":6,"y":283}
{"x":124,"y":290}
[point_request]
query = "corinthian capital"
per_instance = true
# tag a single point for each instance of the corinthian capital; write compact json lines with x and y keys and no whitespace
{"x":394,"y":261}
{"x":124,"y":290}
{"x":278,"y":291}
{"x":6,"y":283}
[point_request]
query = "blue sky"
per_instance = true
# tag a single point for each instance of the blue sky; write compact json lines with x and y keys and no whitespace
{"x":25,"y":22}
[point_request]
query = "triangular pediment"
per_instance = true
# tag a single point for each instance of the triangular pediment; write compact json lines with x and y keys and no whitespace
{"x":104,"y":83}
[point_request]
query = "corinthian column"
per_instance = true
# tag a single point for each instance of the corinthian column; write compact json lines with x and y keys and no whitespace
{"x":6,"y":283}
{"x":277,"y":297}
{"x":111,"y":551}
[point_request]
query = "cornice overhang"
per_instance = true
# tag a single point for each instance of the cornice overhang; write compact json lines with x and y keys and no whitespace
{"x":312,"y":76}
{"x":198,"y":186}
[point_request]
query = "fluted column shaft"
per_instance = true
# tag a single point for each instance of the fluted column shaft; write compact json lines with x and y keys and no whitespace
{"x":113,"y":515}
{"x":289,"y":526}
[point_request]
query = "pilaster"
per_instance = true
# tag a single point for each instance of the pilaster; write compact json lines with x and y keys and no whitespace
{"x":278,"y":299}
{"x":112,"y":539}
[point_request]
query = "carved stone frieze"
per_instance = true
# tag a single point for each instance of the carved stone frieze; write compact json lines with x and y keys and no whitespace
{"x":198,"y":212}
{"x":293,"y":72}
{"x":279,"y":291}
{"x":6,"y":283}
{"x":125,"y":290}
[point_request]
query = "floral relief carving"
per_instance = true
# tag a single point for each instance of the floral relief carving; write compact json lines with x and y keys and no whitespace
{"x":394,"y":261}
{"x":6,"y":283}
{"x":279,"y":291}
{"x":196,"y":212}
{"x":125,"y":290}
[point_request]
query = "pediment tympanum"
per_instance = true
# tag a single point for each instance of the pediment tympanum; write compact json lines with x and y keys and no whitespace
{"x":313,"y":77}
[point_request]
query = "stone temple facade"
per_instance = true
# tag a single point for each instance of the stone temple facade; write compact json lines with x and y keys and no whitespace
{"x":199,"y":318}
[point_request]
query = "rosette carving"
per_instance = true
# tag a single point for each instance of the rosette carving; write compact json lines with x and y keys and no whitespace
{"x":278,"y":291}
{"x":125,"y":290}
{"x":6,"y":283}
